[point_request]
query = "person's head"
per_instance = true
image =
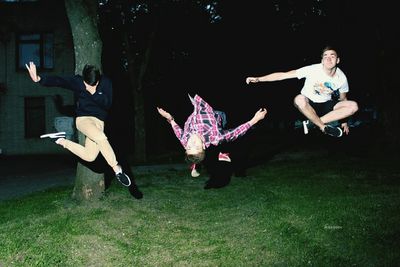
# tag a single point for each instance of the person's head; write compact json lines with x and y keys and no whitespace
{"x":195,"y":149}
{"x":91,"y":75}
{"x":330,"y":57}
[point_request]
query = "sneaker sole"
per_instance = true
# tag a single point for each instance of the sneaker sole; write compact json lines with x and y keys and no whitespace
{"x":127,"y":185}
{"x":340,"y":135}
{"x":54,"y":135}
{"x":341,"y":132}
{"x":124,"y":183}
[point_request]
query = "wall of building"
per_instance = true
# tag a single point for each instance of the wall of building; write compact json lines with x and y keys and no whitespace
{"x":41,"y":16}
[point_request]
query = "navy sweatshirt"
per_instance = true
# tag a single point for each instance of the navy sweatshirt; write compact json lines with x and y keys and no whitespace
{"x":96,"y":105}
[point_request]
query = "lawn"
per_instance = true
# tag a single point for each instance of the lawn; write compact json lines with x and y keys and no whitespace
{"x":301,"y":208}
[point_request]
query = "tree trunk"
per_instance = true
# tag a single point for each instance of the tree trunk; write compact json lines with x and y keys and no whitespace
{"x":136,"y":82}
{"x":82,"y":16}
{"x":140,"y":155}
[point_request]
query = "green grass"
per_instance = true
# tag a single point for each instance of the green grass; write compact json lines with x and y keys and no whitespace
{"x":301,"y":209}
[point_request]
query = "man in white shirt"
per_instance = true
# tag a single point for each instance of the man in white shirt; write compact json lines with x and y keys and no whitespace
{"x":323,"y":97}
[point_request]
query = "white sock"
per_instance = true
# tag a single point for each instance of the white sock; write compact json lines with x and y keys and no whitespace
{"x":119,"y":170}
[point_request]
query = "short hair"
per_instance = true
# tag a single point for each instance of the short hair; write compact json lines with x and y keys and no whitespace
{"x":91,"y":74}
{"x":196,"y":158}
{"x":329,"y":47}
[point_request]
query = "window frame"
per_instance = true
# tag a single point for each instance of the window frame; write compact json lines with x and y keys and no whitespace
{"x":41,"y":42}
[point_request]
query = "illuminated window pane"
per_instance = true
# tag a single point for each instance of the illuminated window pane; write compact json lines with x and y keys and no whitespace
{"x":29,"y":52}
{"x":37,"y":48}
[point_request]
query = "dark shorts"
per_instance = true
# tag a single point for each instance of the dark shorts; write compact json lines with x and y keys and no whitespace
{"x":322,"y":108}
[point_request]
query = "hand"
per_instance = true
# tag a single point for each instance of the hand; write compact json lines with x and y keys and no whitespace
{"x":32,"y":71}
{"x":260,"y":114}
{"x":165,"y":114}
{"x":345,"y":128}
{"x":252,"y":80}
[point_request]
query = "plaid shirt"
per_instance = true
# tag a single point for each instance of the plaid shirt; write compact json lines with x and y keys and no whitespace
{"x":208,"y":124}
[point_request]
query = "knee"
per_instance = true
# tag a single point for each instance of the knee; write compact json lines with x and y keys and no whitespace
{"x":100,"y":138}
{"x":353,"y":107}
{"x":300,"y":101}
{"x":90,"y":158}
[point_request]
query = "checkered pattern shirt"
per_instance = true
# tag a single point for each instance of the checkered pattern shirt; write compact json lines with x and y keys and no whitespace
{"x":208,"y":124}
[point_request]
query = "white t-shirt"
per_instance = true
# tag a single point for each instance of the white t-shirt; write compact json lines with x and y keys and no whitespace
{"x":318,"y":86}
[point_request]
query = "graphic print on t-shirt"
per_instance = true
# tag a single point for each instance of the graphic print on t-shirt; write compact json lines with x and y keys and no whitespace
{"x":326,"y":88}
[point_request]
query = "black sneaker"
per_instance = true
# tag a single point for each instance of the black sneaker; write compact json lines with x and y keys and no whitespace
{"x":135,"y":192}
{"x":333,"y":131}
{"x":123,"y":179}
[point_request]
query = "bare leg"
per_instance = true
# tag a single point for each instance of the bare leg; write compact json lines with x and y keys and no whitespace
{"x":341,"y":110}
{"x":302,"y":104}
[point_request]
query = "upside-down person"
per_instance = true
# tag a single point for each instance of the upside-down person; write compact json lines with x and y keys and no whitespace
{"x":204,"y":127}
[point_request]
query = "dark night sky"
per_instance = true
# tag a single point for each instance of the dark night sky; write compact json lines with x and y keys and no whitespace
{"x":252,"y":39}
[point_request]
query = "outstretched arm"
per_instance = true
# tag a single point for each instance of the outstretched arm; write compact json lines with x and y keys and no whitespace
{"x":50,"y":81}
{"x":260,"y":114}
{"x":231,"y":135}
{"x":166,"y":115}
{"x":276,"y":76}
{"x":177,"y":129}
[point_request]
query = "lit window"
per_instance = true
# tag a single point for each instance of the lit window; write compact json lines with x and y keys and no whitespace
{"x":37,"y":48}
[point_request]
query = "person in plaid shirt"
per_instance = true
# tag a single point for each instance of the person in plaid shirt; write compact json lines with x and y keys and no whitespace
{"x":204,"y":128}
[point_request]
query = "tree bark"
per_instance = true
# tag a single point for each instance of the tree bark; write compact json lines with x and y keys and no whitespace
{"x":140,"y":155}
{"x":136,"y":76}
{"x":83,"y":19}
